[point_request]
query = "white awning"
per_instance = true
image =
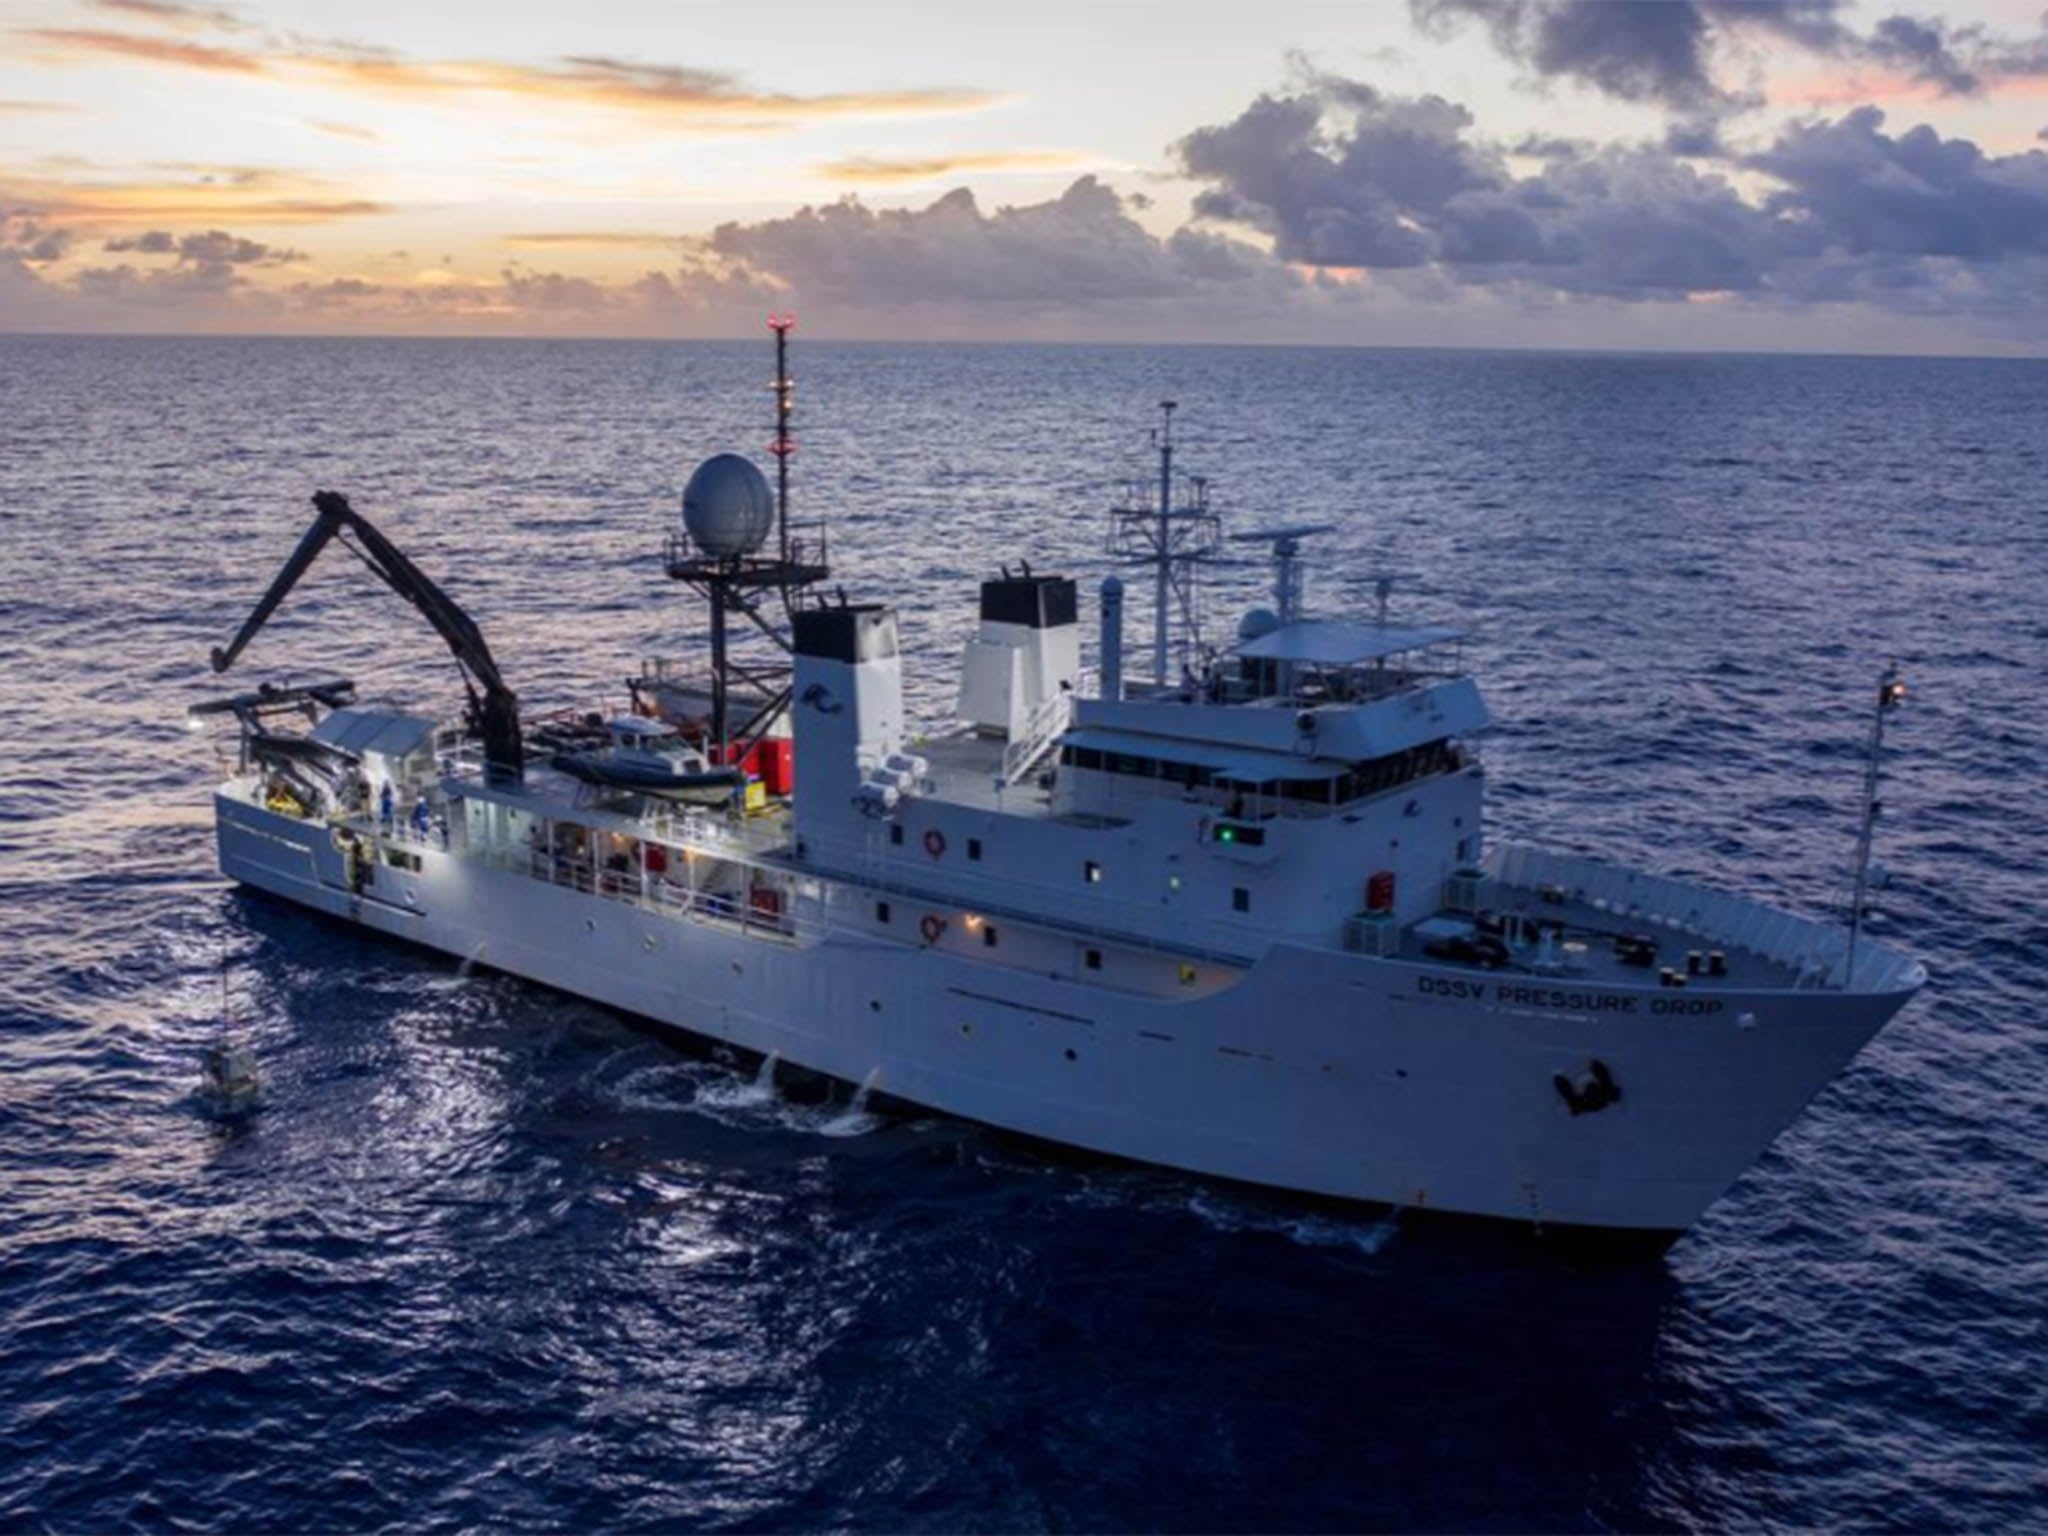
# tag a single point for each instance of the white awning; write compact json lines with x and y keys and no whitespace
{"x":362,"y":730}
{"x":1327,"y":643}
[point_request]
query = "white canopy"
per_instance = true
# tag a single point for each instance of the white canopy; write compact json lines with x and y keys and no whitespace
{"x":1327,"y":643}
{"x":361,"y":731}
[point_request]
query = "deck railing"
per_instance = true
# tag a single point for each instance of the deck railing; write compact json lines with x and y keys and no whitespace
{"x":1817,"y":952}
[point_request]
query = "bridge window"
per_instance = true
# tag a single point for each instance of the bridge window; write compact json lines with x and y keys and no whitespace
{"x":1091,"y":959}
{"x":988,"y":935}
{"x":1240,"y":899}
{"x":881,"y":911}
{"x":896,"y":833}
{"x":974,"y":847}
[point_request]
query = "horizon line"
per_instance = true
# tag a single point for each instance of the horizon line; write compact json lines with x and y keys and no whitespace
{"x":901,"y":341}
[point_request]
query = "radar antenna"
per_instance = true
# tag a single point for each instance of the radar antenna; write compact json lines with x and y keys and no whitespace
{"x":1286,"y":544}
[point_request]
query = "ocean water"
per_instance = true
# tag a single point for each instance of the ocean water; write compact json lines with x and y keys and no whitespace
{"x":489,"y":1257}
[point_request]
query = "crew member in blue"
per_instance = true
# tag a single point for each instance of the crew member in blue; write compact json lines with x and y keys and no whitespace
{"x":422,"y":817}
{"x":384,"y":805}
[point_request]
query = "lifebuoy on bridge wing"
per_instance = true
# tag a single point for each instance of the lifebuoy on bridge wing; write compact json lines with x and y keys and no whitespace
{"x":935,"y":842}
{"x":931,"y":926}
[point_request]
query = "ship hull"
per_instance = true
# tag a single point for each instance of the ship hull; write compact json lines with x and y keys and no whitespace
{"x":1317,"y":1071}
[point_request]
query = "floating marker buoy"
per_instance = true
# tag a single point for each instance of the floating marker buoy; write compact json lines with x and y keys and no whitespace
{"x":230,"y":1084}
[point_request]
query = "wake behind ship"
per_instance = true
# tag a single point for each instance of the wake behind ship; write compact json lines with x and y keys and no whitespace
{"x":1238,"y":919}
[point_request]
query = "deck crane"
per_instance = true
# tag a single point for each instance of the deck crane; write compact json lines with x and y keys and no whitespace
{"x":493,"y":711}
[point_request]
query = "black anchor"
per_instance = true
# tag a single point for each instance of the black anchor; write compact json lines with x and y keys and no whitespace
{"x":1596,"y":1093}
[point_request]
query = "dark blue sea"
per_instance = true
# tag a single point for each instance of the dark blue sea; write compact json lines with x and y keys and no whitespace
{"x":489,"y":1258}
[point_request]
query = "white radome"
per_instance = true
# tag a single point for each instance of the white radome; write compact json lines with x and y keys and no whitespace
{"x":728,"y":509}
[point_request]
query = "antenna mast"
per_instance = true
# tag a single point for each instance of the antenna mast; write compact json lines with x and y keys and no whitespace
{"x":1891,"y":693}
{"x":736,"y":582}
{"x":783,"y":445}
{"x":1163,"y":538}
{"x":1174,"y":535}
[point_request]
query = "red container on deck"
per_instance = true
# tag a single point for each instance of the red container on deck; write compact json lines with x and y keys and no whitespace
{"x":772,"y":760}
{"x":1379,"y":892}
{"x":765,"y":900}
{"x":778,"y":764}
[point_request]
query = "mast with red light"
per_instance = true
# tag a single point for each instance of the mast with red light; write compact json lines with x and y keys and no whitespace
{"x":735,"y":580}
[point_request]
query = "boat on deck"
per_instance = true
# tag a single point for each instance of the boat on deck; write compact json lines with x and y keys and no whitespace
{"x":646,"y":757}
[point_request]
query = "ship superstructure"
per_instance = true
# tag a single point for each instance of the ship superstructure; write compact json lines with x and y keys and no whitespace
{"x":1243,"y":922}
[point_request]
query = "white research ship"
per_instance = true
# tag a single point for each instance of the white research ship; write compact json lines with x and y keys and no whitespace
{"x":1240,"y":923}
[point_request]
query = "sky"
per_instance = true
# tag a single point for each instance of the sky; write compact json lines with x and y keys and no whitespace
{"x":1814,"y":175}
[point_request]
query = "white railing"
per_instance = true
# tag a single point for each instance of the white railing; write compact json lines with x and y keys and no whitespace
{"x":1817,"y":952}
{"x":1042,"y":728}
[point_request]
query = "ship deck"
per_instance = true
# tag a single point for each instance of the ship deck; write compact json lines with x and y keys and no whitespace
{"x":966,"y":769}
{"x":1584,"y":952}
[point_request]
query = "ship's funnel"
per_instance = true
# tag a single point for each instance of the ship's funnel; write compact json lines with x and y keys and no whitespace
{"x":1026,"y":651}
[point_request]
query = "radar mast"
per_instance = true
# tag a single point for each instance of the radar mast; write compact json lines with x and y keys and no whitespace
{"x":719,"y":553}
{"x":1176,"y":535}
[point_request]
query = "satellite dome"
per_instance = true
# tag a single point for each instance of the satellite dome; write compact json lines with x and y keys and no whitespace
{"x":1256,"y":622}
{"x":728,"y":509}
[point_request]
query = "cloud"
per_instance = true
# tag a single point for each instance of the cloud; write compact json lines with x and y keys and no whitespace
{"x":1080,"y":250}
{"x":864,"y":170}
{"x":1914,"y":195}
{"x":1664,"y":52}
{"x":244,"y":194}
{"x":1657,"y":51}
{"x":178,"y":18}
{"x":344,"y":131}
{"x":70,"y":43}
{"x":154,"y":242}
{"x":1352,"y":179}
{"x":595,"y":238}
{"x":25,"y":241}
{"x":8,"y":107}
{"x":1924,"y":51}
{"x":670,"y":95}
{"x":210,"y":247}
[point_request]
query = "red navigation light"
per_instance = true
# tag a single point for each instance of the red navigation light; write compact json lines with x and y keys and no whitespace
{"x":785,"y":322}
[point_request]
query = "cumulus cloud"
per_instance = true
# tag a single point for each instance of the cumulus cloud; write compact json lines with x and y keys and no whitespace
{"x":1080,"y":249}
{"x":1639,"y":50}
{"x":1866,"y":192}
{"x":1355,"y":179}
{"x":1665,"y":52}
{"x":27,"y":242}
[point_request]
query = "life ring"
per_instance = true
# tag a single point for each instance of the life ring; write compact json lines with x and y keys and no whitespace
{"x":935,"y":842}
{"x":931,"y":925}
